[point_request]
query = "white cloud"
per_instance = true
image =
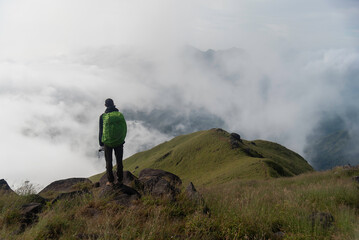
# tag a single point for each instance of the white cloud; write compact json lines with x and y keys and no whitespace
{"x":60,"y":59}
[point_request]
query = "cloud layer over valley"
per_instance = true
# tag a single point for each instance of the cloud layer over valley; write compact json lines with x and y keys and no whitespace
{"x":278,"y":71}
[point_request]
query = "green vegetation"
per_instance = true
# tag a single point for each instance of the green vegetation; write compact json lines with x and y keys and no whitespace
{"x":239,"y":209}
{"x":212,"y":157}
{"x":253,"y":190}
{"x":257,"y":208}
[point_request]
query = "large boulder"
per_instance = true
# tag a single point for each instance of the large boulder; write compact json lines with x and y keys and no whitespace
{"x":29,"y":212}
{"x":65,"y":185}
{"x":121,"y":194}
{"x":158,"y":182}
{"x":150,"y":173}
{"x":5,"y":188}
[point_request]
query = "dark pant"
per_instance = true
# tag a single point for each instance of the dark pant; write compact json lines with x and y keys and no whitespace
{"x":108,"y":157}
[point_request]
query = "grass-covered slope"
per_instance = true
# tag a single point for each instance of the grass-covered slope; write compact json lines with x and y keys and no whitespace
{"x":213,"y":156}
{"x":276,"y":208}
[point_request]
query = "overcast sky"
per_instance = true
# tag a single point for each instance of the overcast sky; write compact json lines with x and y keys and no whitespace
{"x":60,"y":59}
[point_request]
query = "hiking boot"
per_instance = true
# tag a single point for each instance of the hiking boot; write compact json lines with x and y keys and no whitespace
{"x":109,"y":184}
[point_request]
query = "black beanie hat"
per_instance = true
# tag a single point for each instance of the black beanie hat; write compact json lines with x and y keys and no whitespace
{"x":109,"y":102}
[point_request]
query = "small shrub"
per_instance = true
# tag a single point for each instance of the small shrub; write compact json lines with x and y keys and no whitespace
{"x":27,"y":189}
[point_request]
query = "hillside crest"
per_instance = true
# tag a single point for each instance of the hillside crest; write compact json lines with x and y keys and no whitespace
{"x":216,"y":156}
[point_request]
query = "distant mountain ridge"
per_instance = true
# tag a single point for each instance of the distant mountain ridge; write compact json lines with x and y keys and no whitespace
{"x":216,"y":156}
{"x":333,"y":143}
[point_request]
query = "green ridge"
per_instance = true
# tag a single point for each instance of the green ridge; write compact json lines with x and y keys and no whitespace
{"x":208,"y":157}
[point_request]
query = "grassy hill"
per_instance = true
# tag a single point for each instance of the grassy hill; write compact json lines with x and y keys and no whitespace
{"x":274,"y":208}
{"x":241,"y":186}
{"x":214,"y":156}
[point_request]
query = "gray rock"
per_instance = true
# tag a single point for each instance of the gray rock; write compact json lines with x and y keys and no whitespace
{"x":65,"y":185}
{"x":235,"y":140}
{"x":4,"y":185}
{"x":234,"y":143}
{"x":236,"y":136}
{"x":157,"y":182}
{"x":29,"y":212}
{"x":148,"y":173}
{"x":196,"y":197}
{"x":160,"y":187}
{"x":5,"y":188}
{"x":121,"y":194}
{"x":192,"y":193}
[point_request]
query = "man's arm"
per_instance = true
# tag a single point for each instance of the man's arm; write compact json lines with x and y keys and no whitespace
{"x":100,"y":131}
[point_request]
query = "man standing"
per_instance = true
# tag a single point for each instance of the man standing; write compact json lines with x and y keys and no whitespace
{"x":112,"y":135}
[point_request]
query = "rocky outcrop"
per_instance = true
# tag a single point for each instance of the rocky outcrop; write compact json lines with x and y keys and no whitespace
{"x":158,"y":182}
{"x":148,"y":173}
{"x":196,"y":197}
{"x":29,"y":212}
{"x":235,"y":140}
{"x":155,"y":182}
{"x":5,"y":188}
{"x":120,"y":194}
{"x":65,"y":185}
{"x":236,"y":136}
{"x":192,"y":193}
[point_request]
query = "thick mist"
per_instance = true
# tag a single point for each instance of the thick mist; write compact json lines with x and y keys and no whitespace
{"x":272,"y":70}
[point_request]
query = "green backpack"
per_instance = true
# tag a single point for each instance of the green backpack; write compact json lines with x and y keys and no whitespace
{"x":114,"y":129}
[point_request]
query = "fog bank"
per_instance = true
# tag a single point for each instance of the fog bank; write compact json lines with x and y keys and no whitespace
{"x":273,"y":70}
